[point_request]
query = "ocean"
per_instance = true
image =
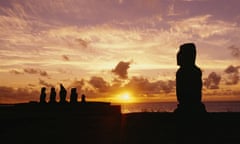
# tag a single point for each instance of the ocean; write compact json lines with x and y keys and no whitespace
{"x":170,"y":106}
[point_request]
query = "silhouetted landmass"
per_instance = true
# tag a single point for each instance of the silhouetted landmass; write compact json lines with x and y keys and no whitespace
{"x":91,"y":122}
{"x":219,"y":128}
{"x":104,"y":124}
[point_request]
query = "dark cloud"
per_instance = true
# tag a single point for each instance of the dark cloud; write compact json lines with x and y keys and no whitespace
{"x":12,"y":95}
{"x":65,"y":58}
{"x":121,"y":69}
{"x":212,"y":81}
{"x":233,"y":79}
{"x":83,"y":43}
{"x":143,"y":85}
{"x":98,"y":86}
{"x":44,"y":83}
{"x":31,"y":70}
{"x":235,"y":51}
{"x":16,"y":72}
{"x":43,"y":73}
{"x":167,"y":86}
{"x":99,"y":83}
{"x":83,"y":87}
{"x":233,"y":75}
{"x":31,"y":85}
{"x":64,"y":71}
{"x":78,"y":84}
{"x":36,"y":71}
{"x":231,"y":69}
{"x":116,"y":83}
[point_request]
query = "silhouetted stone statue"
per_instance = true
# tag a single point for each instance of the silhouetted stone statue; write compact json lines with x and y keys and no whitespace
{"x":52,"y":95}
{"x":190,"y":111}
{"x":73,"y":96}
{"x":83,"y":99}
{"x":43,"y":95}
{"x":62,"y":94}
{"x":188,"y":81}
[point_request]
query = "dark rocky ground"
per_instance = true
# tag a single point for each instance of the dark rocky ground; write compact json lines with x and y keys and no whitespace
{"x":106,"y":125}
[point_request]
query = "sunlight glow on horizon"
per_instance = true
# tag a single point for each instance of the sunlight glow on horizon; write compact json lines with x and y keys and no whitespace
{"x":124,"y":97}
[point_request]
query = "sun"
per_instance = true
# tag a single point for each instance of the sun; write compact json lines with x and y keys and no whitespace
{"x":124,"y":97}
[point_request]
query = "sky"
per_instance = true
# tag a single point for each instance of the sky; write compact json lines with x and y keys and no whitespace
{"x":106,"y":48}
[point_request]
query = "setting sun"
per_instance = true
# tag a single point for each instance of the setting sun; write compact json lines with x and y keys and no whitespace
{"x":124,"y":97}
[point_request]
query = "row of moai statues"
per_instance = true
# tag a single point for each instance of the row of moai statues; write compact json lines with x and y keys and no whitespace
{"x":62,"y":94}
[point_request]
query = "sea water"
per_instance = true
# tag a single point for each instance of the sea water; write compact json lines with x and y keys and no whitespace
{"x":170,"y":106}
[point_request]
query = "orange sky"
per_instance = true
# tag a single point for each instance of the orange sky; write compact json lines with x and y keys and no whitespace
{"x":105,"y":48}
